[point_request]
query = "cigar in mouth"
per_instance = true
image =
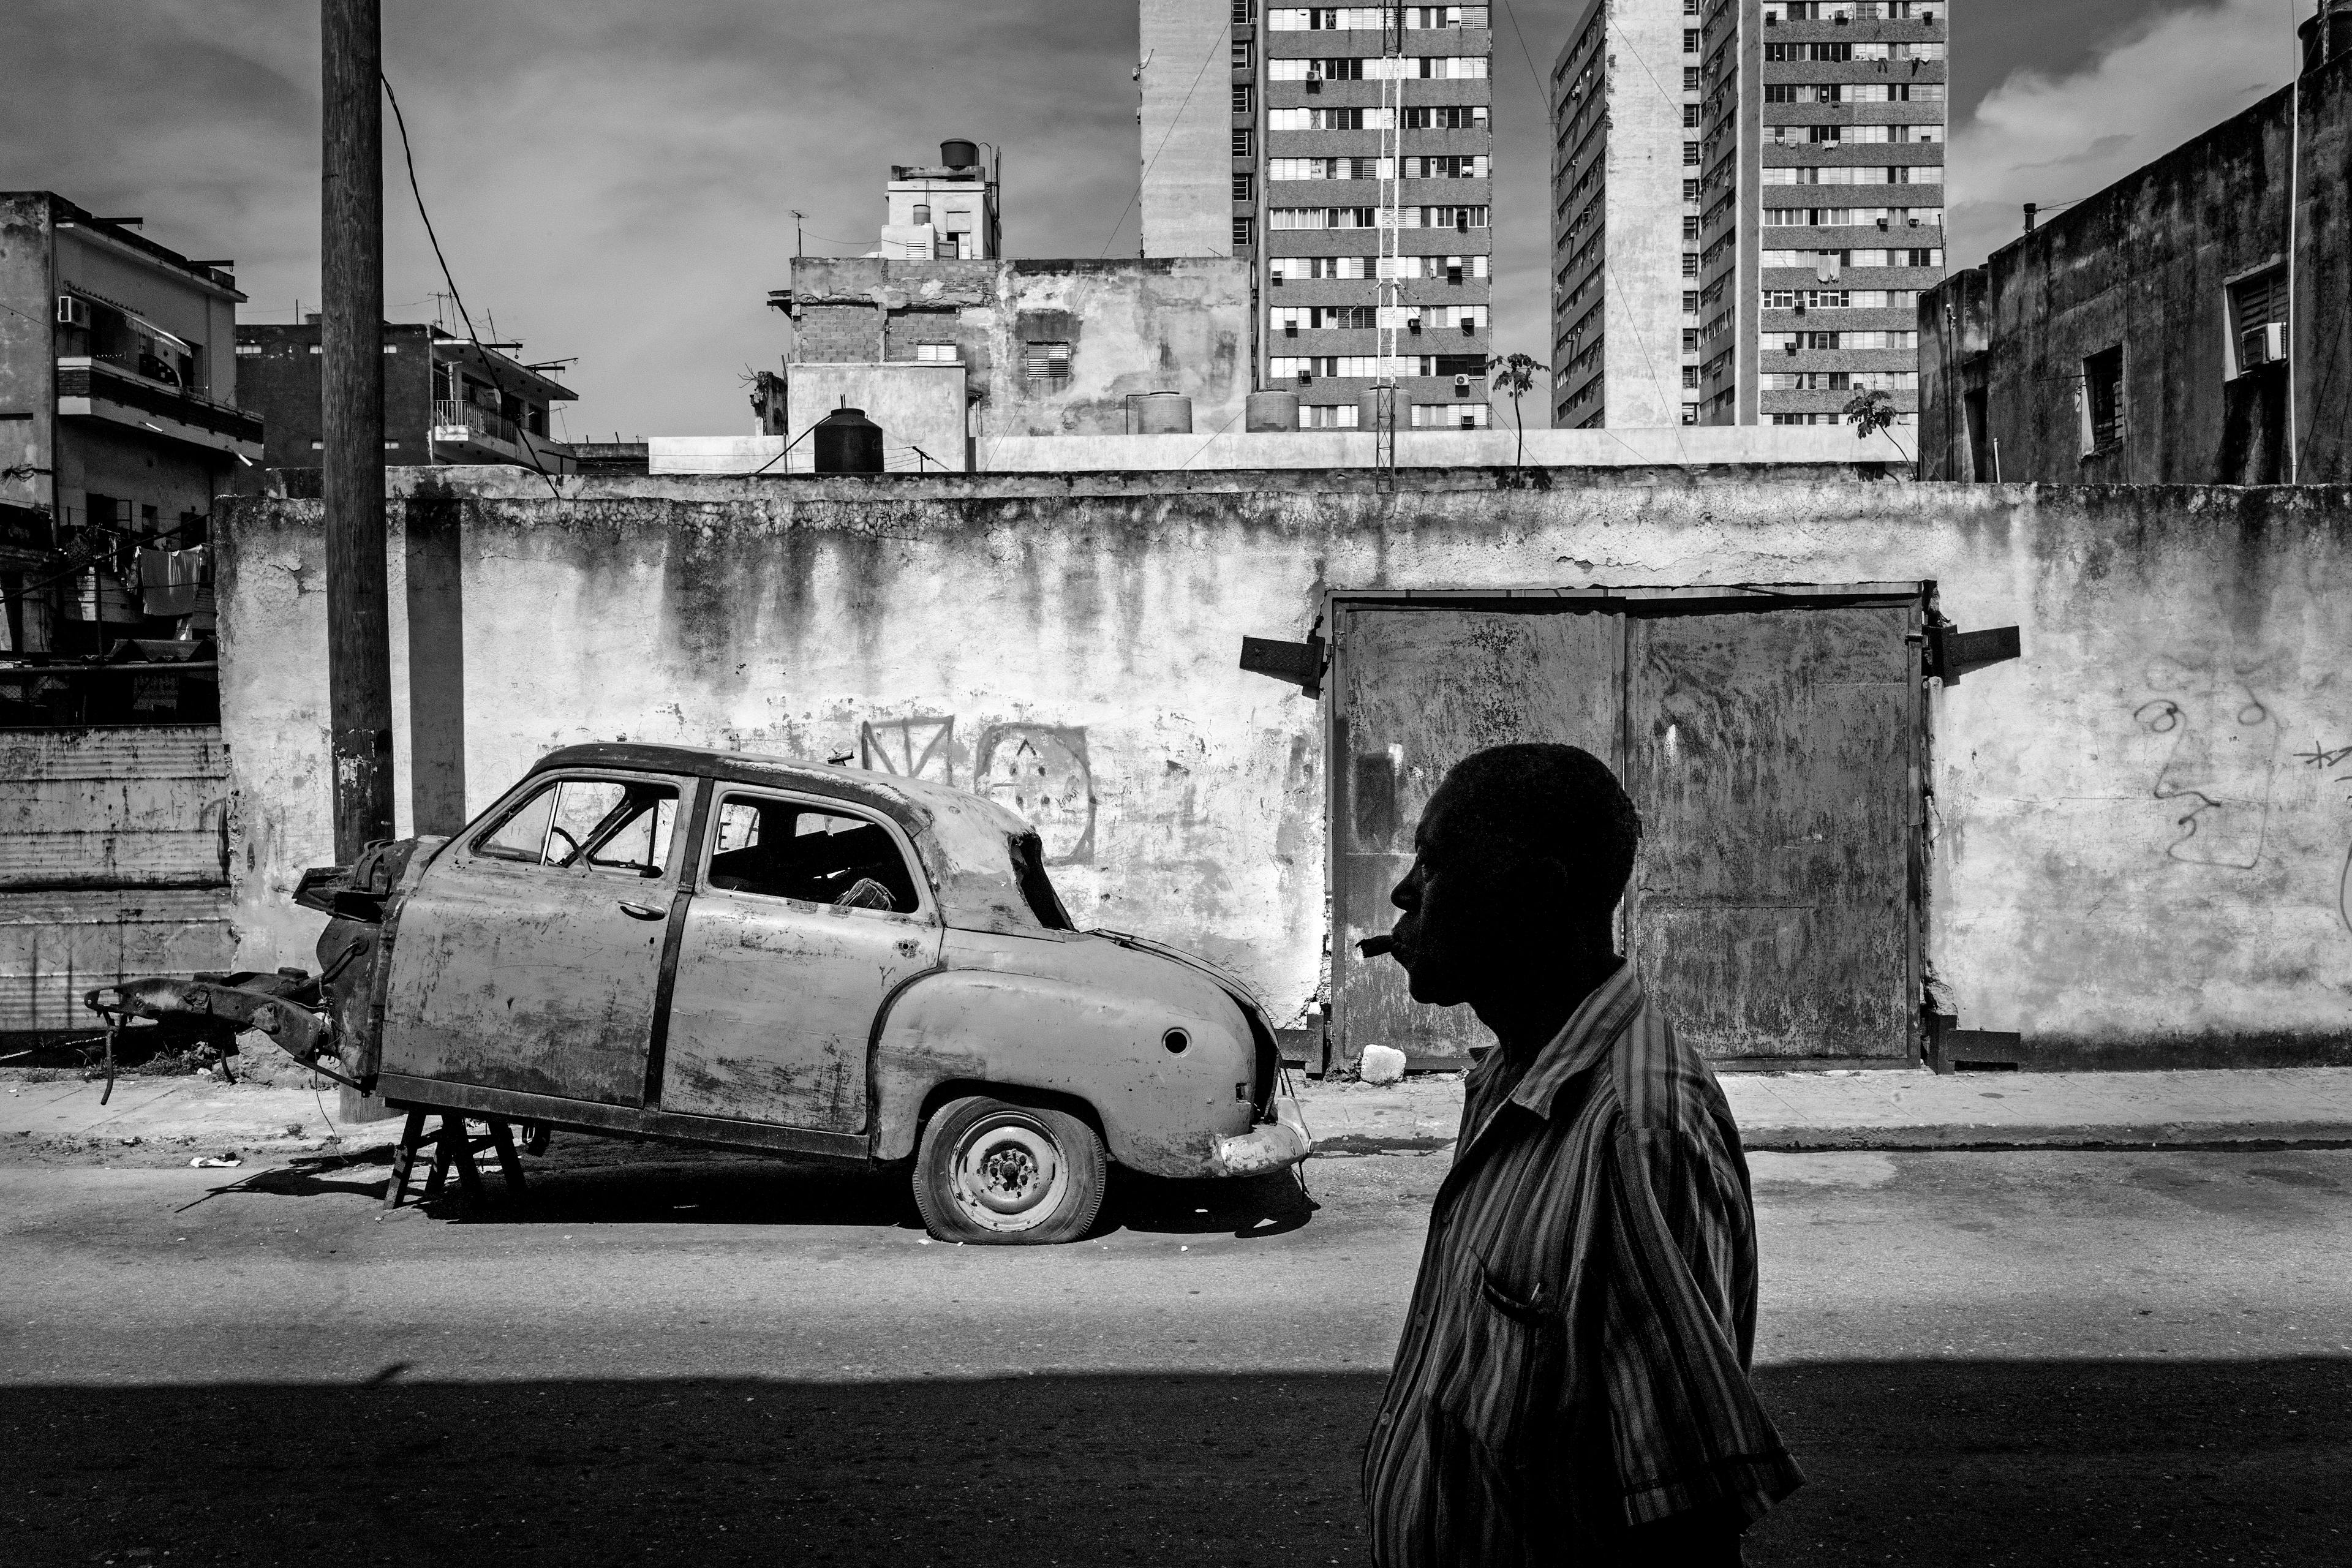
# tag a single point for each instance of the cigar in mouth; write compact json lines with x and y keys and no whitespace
{"x":1373,"y":946}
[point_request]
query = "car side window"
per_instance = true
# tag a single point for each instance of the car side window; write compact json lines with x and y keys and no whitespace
{"x":785,"y":849}
{"x":620,"y":826}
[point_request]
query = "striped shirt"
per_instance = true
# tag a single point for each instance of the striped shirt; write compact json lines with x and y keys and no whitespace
{"x":1576,"y":1361}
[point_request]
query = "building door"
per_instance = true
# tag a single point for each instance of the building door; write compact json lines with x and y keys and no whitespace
{"x":1770,"y":742}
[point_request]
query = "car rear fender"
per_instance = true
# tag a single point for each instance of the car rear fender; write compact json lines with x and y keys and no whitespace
{"x":1160,"y":1111}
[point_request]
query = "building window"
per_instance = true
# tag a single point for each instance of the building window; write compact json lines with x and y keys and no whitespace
{"x":1690,"y":79}
{"x":1690,"y":40}
{"x":1241,"y":55}
{"x":1690,"y":226}
{"x":1690,"y":375}
{"x":2258,"y":320}
{"x":1241,"y":240}
{"x":1690,"y":301}
{"x":1243,"y":11}
{"x":1690,"y":154}
{"x":2103,"y":400}
{"x":1245,"y":145}
{"x":1690,"y":340}
{"x":1690,"y":190}
{"x":1244,"y":99}
{"x":1328,"y":416}
{"x":1690,"y":115}
{"x":1690,"y":263}
{"x":936,"y":354}
{"x":1243,"y":188}
{"x":1046,"y":365}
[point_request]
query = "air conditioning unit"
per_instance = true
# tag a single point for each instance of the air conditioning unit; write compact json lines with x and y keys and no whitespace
{"x":1469,"y":328}
{"x":1791,"y":345}
{"x":1315,"y":84}
{"x":1305,"y":378}
{"x":1273,"y":280}
{"x":1881,"y":225}
{"x":2274,"y":341}
{"x":1290,"y":328}
{"x":1461,"y":386}
{"x":72,"y":312}
{"x":1413,"y":323}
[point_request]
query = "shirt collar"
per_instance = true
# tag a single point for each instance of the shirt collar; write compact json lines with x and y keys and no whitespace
{"x":1589,"y":1031}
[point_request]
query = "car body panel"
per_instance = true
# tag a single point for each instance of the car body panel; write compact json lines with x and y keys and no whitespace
{"x":531,"y":977}
{"x":772,"y":1011}
{"x":1082,"y":1019}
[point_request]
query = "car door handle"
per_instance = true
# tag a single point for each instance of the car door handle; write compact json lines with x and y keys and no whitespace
{"x":642,"y":912}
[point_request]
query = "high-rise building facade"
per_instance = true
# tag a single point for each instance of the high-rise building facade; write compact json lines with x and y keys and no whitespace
{"x":1800,"y":144}
{"x":1359,"y":147}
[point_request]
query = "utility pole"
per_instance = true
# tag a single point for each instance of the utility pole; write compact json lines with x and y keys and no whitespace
{"x":359,"y":647}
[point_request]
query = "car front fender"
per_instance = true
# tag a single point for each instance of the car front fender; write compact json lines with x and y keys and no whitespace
{"x":1160,"y":1111}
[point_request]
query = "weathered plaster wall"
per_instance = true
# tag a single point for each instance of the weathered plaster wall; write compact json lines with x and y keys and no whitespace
{"x":2141,"y":830}
{"x":1158,"y":325}
{"x":29,"y":360}
{"x":2146,"y":264}
{"x":1186,"y":206}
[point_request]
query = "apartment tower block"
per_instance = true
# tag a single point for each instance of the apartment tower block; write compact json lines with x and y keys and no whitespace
{"x":1355,"y":150}
{"x":1800,"y":143}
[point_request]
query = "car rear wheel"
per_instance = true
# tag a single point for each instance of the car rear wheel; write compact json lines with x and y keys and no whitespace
{"x":1004,"y":1175}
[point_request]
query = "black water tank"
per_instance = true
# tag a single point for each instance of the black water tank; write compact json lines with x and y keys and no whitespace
{"x":960,"y":154}
{"x":847,"y":442}
{"x":2327,"y":34}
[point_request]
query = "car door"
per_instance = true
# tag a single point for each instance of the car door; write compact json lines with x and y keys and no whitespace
{"x":808,"y":914}
{"x":529,"y":955}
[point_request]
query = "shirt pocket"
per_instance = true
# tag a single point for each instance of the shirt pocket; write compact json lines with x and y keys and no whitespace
{"x":1503,"y":1380}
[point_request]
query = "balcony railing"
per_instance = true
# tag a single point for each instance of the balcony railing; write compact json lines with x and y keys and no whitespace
{"x":481,"y":420}
{"x":80,"y":377}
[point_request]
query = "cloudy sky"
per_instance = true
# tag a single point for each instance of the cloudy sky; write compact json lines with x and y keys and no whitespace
{"x":615,"y":179}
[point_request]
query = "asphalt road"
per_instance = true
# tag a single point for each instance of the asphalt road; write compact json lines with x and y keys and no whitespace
{"x":658,"y":1357}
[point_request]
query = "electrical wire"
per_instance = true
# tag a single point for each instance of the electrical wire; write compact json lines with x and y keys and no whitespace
{"x":408,"y":156}
{"x":1174,"y":121}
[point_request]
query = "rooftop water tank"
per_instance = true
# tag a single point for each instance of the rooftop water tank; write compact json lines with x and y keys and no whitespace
{"x":960,"y":154}
{"x":846,"y":442}
{"x":1271,"y":411}
{"x":1158,"y":414}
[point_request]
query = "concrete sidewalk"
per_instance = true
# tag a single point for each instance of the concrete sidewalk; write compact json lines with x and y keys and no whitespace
{"x":153,"y":1120}
{"x":1914,"y":1108}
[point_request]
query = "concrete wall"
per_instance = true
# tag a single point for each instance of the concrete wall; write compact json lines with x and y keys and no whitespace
{"x":1767,"y":446}
{"x":2146,"y":264}
{"x":1133,"y":326}
{"x":29,"y":364}
{"x":1644,"y":320}
{"x":1185,"y":126}
{"x":2141,"y":840}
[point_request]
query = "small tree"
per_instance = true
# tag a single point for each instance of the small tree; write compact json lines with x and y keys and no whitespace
{"x":1515,"y":374}
{"x":1871,"y":410}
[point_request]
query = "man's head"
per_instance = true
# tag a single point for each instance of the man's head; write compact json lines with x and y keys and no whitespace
{"x":1519,"y":860}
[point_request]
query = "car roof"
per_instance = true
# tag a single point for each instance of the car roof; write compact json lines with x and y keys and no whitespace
{"x":963,"y":837}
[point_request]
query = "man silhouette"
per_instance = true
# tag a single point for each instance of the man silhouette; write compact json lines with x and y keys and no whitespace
{"x":1572,"y":1385}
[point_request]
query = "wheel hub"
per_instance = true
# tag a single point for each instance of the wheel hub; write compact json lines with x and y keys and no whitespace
{"x":1009,"y":1174}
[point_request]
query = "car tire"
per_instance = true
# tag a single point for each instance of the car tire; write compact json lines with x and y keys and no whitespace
{"x":1000,"y":1174}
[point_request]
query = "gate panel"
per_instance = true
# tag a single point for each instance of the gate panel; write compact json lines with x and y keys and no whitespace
{"x":1770,"y":753}
{"x":1420,"y":688}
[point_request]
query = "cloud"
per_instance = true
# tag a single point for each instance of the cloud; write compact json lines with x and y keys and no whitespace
{"x":609,"y":178}
{"x":2051,"y":139}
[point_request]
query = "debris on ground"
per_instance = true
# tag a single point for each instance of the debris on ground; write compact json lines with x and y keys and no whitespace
{"x":214,"y":1162}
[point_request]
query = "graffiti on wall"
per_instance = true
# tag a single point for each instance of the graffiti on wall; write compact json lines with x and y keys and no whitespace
{"x":2220,"y":765}
{"x":1041,"y":771}
{"x":2324,"y":759}
{"x":917,"y":748}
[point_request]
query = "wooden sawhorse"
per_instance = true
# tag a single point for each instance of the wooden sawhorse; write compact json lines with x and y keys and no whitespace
{"x":454,"y":1146}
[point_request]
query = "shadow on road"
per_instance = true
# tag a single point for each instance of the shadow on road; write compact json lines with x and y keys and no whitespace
{"x":1940,"y":1463}
{"x":612,"y":1182}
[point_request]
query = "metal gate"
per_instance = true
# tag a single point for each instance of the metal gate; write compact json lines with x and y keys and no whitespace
{"x":113,"y":861}
{"x":1771,"y":740}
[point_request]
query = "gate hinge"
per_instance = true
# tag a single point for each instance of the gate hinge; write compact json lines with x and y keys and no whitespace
{"x":1299,"y":663}
{"x":1952,"y":653}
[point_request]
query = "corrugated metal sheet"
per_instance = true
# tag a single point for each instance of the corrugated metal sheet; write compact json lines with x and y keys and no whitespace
{"x":113,"y":808}
{"x":53,"y":946}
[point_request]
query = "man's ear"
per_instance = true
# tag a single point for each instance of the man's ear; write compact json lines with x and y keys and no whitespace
{"x":1541,"y":888}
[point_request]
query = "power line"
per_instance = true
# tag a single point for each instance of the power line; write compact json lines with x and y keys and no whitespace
{"x":1176,"y":119}
{"x":409,"y":157}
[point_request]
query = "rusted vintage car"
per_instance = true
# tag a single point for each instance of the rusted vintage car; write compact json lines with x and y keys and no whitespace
{"x":737,"y":951}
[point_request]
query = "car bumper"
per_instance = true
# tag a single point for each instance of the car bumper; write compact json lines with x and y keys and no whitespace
{"x":1269,"y":1147}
